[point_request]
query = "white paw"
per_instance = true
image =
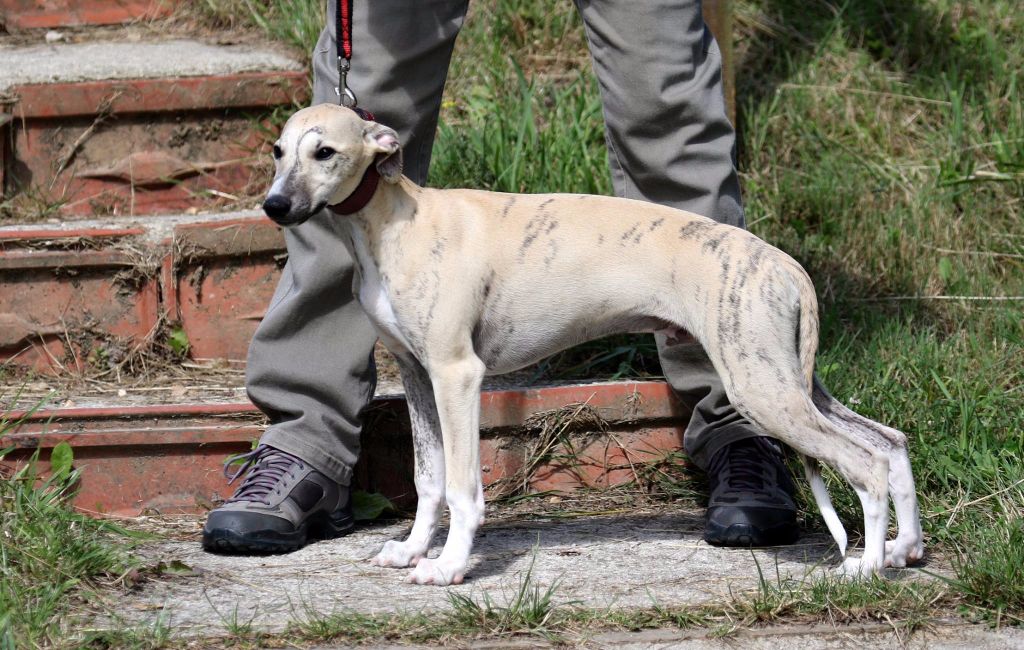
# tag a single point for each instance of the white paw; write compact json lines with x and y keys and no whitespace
{"x":856,"y":568}
{"x":899,"y":553}
{"x":437,"y":572}
{"x":398,"y":555}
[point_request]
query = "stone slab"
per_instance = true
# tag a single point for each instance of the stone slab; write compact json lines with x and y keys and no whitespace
{"x":99,"y":61}
{"x":624,"y":561}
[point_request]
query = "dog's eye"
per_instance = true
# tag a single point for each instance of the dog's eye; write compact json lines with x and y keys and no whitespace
{"x":323,"y":153}
{"x":277,"y":152}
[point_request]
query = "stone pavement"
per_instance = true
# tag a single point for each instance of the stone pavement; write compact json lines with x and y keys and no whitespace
{"x":631,"y":558}
{"x":621,"y":560}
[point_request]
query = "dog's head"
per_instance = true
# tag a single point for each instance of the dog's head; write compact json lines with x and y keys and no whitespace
{"x":320,"y":159}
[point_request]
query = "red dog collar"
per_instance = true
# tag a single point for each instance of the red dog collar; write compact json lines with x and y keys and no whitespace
{"x":359,"y":197}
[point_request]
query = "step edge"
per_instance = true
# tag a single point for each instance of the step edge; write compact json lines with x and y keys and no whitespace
{"x":500,"y":409}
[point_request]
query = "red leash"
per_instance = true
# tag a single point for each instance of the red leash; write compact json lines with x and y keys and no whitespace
{"x":344,"y":27}
{"x":343,"y":36}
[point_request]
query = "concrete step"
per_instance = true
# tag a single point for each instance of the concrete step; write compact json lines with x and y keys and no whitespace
{"x":141,"y":450}
{"x":111,"y":127}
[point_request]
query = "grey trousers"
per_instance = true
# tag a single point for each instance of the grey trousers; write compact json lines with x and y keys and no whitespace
{"x":310,"y":366}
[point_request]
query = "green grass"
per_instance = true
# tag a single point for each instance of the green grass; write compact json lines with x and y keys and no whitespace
{"x":883,"y":150}
{"x":536,"y":139}
{"x":294,"y":23}
{"x":990,"y":573}
{"x":51,"y":558}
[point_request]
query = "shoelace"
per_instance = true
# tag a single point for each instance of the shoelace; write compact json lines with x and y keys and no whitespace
{"x":266,"y":466}
{"x":743,"y":465}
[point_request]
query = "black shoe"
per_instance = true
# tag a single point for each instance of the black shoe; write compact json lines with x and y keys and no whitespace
{"x":280,"y":505}
{"x":751,"y":501}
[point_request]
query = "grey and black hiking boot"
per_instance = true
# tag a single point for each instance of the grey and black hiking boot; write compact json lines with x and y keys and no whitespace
{"x":281,"y":503}
{"x":751,"y":501}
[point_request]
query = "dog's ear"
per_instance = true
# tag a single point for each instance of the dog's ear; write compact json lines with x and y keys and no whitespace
{"x":384,"y":141}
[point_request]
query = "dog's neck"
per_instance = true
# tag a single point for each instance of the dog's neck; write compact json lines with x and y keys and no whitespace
{"x":391,"y":205}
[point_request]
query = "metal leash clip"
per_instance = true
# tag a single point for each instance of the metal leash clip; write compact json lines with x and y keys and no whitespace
{"x":346,"y":97}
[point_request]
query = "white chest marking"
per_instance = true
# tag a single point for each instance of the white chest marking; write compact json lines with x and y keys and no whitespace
{"x":373,"y":296}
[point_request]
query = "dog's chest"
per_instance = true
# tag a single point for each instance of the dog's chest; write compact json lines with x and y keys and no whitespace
{"x":373,"y":294}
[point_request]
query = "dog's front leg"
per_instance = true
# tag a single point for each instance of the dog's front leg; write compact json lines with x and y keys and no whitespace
{"x":429,"y":471}
{"x":457,"y":393}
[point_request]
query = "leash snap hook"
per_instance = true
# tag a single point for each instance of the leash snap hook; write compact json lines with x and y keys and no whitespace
{"x":346,"y":97}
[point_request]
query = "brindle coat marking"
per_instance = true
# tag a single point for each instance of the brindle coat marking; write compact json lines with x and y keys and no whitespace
{"x":463,"y":283}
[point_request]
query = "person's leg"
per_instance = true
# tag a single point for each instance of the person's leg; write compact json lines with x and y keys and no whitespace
{"x":310,"y":366}
{"x":670,"y":142}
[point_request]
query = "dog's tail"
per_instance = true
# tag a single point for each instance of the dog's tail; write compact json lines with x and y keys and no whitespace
{"x":813,"y":472}
{"x":807,"y":344}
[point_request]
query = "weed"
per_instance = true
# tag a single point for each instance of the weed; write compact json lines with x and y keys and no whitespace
{"x":177,"y":341}
{"x":367,"y":506}
{"x":529,"y":609}
{"x":355,"y":626}
{"x":550,"y":442}
{"x":296,"y":23}
{"x":236,"y":625}
{"x":157,"y":635}
{"x":30,"y":205}
{"x":530,"y":140}
{"x":990,"y":572}
{"x":49,"y":555}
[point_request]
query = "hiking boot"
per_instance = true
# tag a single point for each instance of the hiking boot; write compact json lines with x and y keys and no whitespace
{"x":751,"y":501}
{"x":281,"y":503}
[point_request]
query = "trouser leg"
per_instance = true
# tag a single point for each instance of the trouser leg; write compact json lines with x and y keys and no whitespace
{"x":670,"y":142}
{"x":310,"y":366}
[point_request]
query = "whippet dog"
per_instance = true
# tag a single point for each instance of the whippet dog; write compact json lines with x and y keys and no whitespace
{"x":464,"y":283}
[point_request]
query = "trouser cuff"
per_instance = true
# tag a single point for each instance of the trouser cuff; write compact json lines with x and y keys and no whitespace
{"x":719,"y":439}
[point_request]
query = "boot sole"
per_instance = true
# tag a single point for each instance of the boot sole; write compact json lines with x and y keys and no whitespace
{"x":265,"y":542}
{"x":747,"y":536}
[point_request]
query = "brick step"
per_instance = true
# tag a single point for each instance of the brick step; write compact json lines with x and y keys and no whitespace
{"x":167,"y":458}
{"x":125,"y":128}
{"x":35,"y":14}
{"x":82,"y":296}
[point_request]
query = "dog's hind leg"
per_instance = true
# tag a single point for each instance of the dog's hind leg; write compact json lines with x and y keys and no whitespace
{"x":908,"y":547}
{"x":429,"y":470}
{"x":862,"y":462}
{"x":778,"y":405}
{"x":457,"y":394}
{"x":762,"y":340}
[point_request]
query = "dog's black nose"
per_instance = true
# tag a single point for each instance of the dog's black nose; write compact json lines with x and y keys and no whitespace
{"x":277,"y":206}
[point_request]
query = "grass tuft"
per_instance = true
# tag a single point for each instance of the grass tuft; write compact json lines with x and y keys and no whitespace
{"x":530,"y":139}
{"x":530,"y":609}
{"x":990,"y":573}
{"x":295,"y":23}
{"x":50,"y":557}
